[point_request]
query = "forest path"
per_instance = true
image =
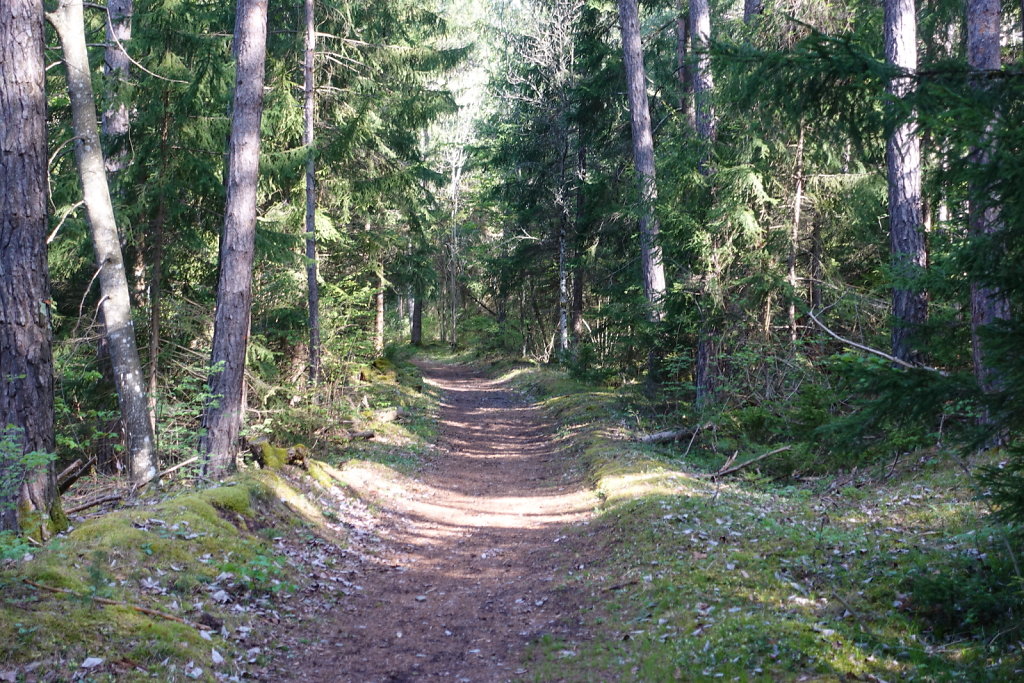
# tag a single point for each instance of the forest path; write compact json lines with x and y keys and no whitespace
{"x":465,"y":573}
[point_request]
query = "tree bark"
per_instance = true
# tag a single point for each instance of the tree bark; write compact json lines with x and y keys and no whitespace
{"x":116,"y":118}
{"x":794,"y":236}
{"x":416,"y":330}
{"x":69,"y":22}
{"x":683,"y":66}
{"x":309,"y":113}
{"x":643,"y":157}
{"x":706,"y":366}
{"x":378,"y":326}
{"x":222,"y":417}
{"x":28,"y":499}
{"x":903,"y":163}
{"x":752,"y":9}
{"x":703,"y":81}
{"x":988,"y":304}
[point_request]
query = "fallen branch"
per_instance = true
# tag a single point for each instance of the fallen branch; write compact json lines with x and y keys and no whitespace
{"x":729,"y":470}
{"x":94,"y":502}
{"x":665,"y":436}
{"x":868,"y":349}
{"x":161,"y":475}
{"x":362,"y":436}
{"x":118,"y":603}
{"x":72,"y":473}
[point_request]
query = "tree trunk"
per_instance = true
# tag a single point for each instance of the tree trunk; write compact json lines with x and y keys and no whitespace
{"x":794,"y":235}
{"x":903,"y":162}
{"x":222,"y":417}
{"x":988,"y":304}
{"x":378,"y":326}
{"x":643,"y":157}
{"x":703,"y":81}
{"x":156,"y":277}
{"x":706,"y":370}
{"x":752,"y":9}
{"x":309,"y":113}
{"x":416,"y":332}
{"x":563,"y":286}
{"x":116,"y":118}
{"x":682,"y":64}
{"x":28,"y":495}
{"x":69,"y":22}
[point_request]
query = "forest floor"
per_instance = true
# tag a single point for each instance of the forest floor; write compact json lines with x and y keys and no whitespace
{"x":464,"y":566}
{"x":513,"y":528}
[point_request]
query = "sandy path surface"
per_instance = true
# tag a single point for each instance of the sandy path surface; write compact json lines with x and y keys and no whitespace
{"x":462,"y":572}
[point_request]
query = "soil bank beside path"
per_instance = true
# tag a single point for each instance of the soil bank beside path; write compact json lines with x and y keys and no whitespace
{"x":462,"y":569}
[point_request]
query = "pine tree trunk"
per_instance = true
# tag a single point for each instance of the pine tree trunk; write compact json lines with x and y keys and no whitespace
{"x":222,"y":418}
{"x":309,"y":112}
{"x":643,"y":157}
{"x":116,"y":119}
{"x":703,"y":81}
{"x":378,"y":326}
{"x":683,"y":66}
{"x":988,"y":304}
{"x":752,"y":9}
{"x":27,"y":499}
{"x":69,"y":22}
{"x":903,"y":162}
{"x":706,"y":370}
{"x":794,"y":235}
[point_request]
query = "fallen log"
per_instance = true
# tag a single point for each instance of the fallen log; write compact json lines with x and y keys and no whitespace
{"x":72,"y":473}
{"x":94,"y":502}
{"x":665,"y":436}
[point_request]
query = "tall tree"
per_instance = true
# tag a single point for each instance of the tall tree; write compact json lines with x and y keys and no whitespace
{"x":903,"y":162}
{"x":115,"y":301}
{"x":116,"y":65}
{"x":705,"y":372}
{"x":26,"y":362}
{"x":643,"y":158}
{"x":309,"y":118}
{"x":222,"y":417}
{"x":988,"y":304}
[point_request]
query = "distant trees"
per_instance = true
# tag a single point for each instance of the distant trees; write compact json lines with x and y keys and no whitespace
{"x":222,"y":417}
{"x":27,"y":484}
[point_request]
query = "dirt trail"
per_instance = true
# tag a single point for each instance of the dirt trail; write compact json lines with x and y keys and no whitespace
{"x":465,"y":570}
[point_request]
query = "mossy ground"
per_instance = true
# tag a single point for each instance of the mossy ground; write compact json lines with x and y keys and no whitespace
{"x":173,"y":552}
{"x":745,"y":579}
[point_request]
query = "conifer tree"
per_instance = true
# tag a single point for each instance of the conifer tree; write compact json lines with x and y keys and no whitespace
{"x":28,"y":497}
{"x":222,"y":418}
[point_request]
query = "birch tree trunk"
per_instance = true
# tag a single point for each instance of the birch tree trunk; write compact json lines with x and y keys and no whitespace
{"x":903,"y":163}
{"x":28,"y":496}
{"x":988,"y":304}
{"x":643,"y":158}
{"x":115,"y":305}
{"x":116,"y":118}
{"x":309,"y":112}
{"x":794,"y":236}
{"x":222,"y":417}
